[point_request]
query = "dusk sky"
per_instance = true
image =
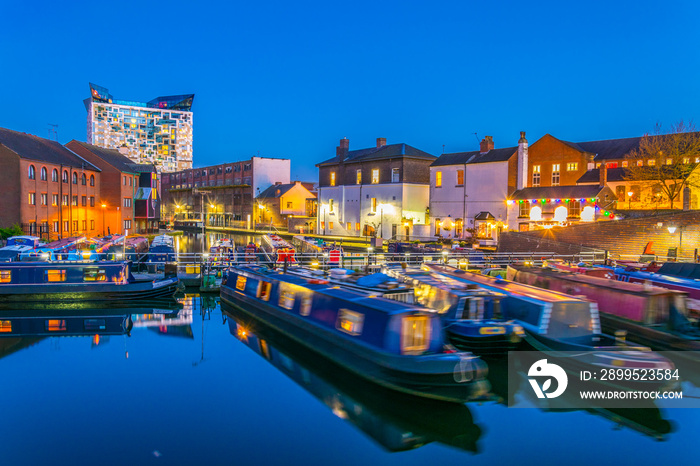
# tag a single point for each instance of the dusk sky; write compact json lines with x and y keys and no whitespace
{"x":289,"y":79}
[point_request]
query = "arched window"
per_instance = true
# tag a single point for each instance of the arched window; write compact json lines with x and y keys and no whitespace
{"x":560,"y":213}
{"x":44,"y":174}
{"x":83,"y":179}
{"x":32,"y":172}
{"x":92,"y":180}
{"x":54,"y":175}
{"x":588,"y":214}
{"x":536,"y":214}
{"x":75,"y":178}
{"x":65,"y":176}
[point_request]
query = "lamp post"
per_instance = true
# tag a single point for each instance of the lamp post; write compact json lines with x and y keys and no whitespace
{"x":261,"y":209}
{"x":213,"y":207}
{"x":629,"y":197}
{"x":381,"y":222}
{"x":104,"y":206}
{"x":672,"y":229}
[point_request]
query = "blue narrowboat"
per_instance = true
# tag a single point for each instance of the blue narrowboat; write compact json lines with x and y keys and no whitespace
{"x":17,"y":245}
{"x":162,"y":250}
{"x":471,"y":314}
{"x":396,"y":345}
{"x":379,"y":412}
{"x":117,"y":322}
{"x":65,"y":282}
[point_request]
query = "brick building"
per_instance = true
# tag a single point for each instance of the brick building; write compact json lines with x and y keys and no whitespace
{"x":47,"y":188}
{"x":223,"y":194}
{"x":379,"y":191}
{"x":280,"y":202}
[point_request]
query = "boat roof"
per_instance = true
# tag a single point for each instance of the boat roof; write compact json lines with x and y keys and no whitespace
{"x":506,"y":286}
{"x":680,"y":269}
{"x":38,"y":264}
{"x":443,"y":282}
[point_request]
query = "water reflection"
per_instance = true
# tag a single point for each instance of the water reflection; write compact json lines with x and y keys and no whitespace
{"x":396,"y":421}
{"x":198,"y":242}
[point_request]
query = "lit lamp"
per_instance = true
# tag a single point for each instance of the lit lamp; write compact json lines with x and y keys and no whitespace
{"x":672,"y":229}
{"x":629,"y":202}
{"x":213,"y":207}
{"x":104,"y":206}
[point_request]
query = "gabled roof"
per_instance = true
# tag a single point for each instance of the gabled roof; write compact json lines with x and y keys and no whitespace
{"x":460,"y":158}
{"x":111,"y":156}
{"x":28,"y":146}
{"x":560,"y":192}
{"x":484,"y":216}
{"x":279,"y":190}
{"x":593,"y":176}
{"x":609,"y":148}
{"x":383,"y":152}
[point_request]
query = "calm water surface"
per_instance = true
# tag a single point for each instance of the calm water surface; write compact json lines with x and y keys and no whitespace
{"x":211,"y":387}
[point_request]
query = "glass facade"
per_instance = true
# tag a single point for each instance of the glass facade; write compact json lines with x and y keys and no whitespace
{"x":159,"y":131}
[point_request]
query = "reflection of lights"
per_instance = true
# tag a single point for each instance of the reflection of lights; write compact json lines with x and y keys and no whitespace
{"x":444,"y":253}
{"x":242,"y":334}
{"x":370,"y":249}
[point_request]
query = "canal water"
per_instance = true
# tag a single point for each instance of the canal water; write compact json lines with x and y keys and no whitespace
{"x":210,"y":386}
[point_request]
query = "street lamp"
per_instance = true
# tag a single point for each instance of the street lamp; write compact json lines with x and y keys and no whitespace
{"x":672,"y":229}
{"x":104,"y":206}
{"x":629,"y":202}
{"x":213,"y":207}
{"x":261,"y":208}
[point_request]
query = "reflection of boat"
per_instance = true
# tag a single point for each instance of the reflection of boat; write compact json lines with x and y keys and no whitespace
{"x":396,"y":421}
{"x":85,"y":324}
{"x":277,"y":249}
{"x":17,"y":245}
{"x":471,"y":314}
{"x":396,"y":345}
{"x":63,"y":282}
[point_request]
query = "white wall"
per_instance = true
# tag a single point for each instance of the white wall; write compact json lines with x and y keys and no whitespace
{"x":447,"y":200}
{"x":486,"y":190}
{"x":268,"y":171}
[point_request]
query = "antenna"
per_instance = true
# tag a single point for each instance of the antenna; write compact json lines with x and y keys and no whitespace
{"x":53,"y":131}
{"x":443,"y":148}
{"x":477,"y":138}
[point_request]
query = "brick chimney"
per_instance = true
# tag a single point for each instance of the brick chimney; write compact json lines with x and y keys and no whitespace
{"x":486,"y":144}
{"x":342,"y":150}
{"x":381,"y":142}
{"x":521,"y":181}
{"x":603,"y":174}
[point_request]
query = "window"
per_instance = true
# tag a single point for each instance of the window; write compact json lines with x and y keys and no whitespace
{"x":92,"y":201}
{"x":56,"y":227}
{"x":350,"y":321}
{"x":555,"y":174}
{"x":58,"y":275}
{"x":357,"y":226}
{"x":127,"y":202}
{"x":330,"y":225}
{"x":524,"y":209}
{"x":438,"y":179}
{"x":83,"y":179}
{"x":32,"y":173}
{"x":289,"y":205}
{"x":394,"y":175}
{"x":305,"y":308}
{"x":415,"y":334}
{"x":535,"y":175}
{"x":66,"y":226}
{"x":65,"y":176}
{"x":652,"y":162}
{"x":330,"y":205}
{"x":44,"y":199}
{"x":55,"y":325}
{"x":686,"y":160}
{"x":64,"y":201}
{"x":240,"y":283}
{"x":75,"y":225}
{"x":264,"y":289}
{"x":92,"y":180}
{"x":74,"y":201}
{"x":131,"y":181}
{"x":92,"y":224}
{"x":54,"y":199}
{"x":636,"y":190}
{"x":44,"y":174}
{"x":640,"y":163}
{"x":624,"y":163}
{"x":323,"y":225}
{"x":575,"y":208}
{"x":32,"y":198}
{"x":349,"y":226}
{"x":373,"y":205}
{"x":286,"y":299}
{"x":84,"y":225}
{"x":375,"y":176}
{"x":84,"y":201}
{"x":75,"y":177}
{"x":124,"y":180}
{"x":127,"y":224}
{"x":94,"y":274}
{"x":669,"y":161}
{"x":572,"y":167}
{"x":460,"y":177}
{"x":358,"y":177}
{"x":332,"y":178}
{"x":54,"y":175}
{"x":5,"y":276}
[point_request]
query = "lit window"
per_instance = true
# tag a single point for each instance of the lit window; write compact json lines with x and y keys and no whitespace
{"x":56,"y":275}
{"x":375,"y":176}
{"x":686,"y":160}
{"x":94,"y":274}
{"x":460,"y":177}
{"x":438,"y":179}
{"x":640,"y":163}
{"x":350,"y":322}
{"x":373,"y":205}
{"x":415,"y":334}
{"x":572,"y":167}
{"x":560,"y":214}
{"x":5,"y":276}
{"x":394,"y":175}
{"x":669,"y":161}
{"x":536,"y":176}
{"x":32,"y":198}
{"x":524,"y":210}
{"x":652,"y":162}
{"x":332,"y":178}
{"x":286,"y":299}
{"x":56,"y":325}
{"x":359,"y":177}
{"x":330,"y":225}
{"x":5,"y":326}
{"x":264,"y":289}
{"x":357,"y":226}
{"x":555,"y":174}
{"x":588,"y":214}
{"x":240,"y":282}
{"x":32,"y":173}
{"x":624,"y":164}
{"x":349,"y":226}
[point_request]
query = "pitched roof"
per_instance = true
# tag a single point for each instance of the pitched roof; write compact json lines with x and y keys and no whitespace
{"x":279,"y":190}
{"x":460,"y":158}
{"x":28,"y":146}
{"x":558,"y":192}
{"x":593,"y":175}
{"x":110,"y":156}
{"x":383,"y":152}
{"x":608,"y":148}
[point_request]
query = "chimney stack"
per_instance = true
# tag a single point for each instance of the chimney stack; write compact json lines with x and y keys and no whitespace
{"x":486,"y":144}
{"x":342,"y":150}
{"x":381,"y":142}
{"x":522,"y":170}
{"x":603,"y":174}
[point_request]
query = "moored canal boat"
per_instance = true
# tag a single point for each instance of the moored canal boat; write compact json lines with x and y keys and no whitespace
{"x":17,"y":245}
{"x":277,"y":249}
{"x":64,"y":282}
{"x":395,"y":345}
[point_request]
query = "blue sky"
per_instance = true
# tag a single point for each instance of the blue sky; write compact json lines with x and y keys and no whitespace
{"x":289,"y":79}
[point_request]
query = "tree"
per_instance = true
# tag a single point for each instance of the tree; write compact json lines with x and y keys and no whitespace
{"x":14,"y":230}
{"x":664,"y":162}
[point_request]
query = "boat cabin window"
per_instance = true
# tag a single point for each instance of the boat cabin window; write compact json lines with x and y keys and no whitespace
{"x":305,"y":309}
{"x":475,"y":308}
{"x":264,"y":289}
{"x":56,"y":325}
{"x":5,"y":276}
{"x":56,"y":275}
{"x":94,"y":274}
{"x":240,"y":283}
{"x":5,"y":326}
{"x":286,"y":299}
{"x":350,"y":322}
{"x":415,"y":334}
{"x":264,"y":349}
{"x":657,"y":310}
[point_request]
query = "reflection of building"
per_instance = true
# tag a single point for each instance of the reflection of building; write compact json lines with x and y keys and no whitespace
{"x":287,"y":205}
{"x":47,"y":189}
{"x":379,"y":191}
{"x":223,"y":193}
{"x":158,"y":131}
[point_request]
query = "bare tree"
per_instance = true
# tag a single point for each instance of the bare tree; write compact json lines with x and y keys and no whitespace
{"x":664,"y":162}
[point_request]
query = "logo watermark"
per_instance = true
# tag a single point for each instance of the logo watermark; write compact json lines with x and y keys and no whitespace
{"x":542,"y":368}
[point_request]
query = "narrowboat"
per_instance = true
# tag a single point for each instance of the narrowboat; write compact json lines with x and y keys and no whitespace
{"x":375,"y":410}
{"x":17,"y":245}
{"x":393,"y":344}
{"x":311,"y":246}
{"x":652,"y":316}
{"x":471,"y":314}
{"x":73,"y":248}
{"x":582,"y":268}
{"x":410,"y":252}
{"x":66,"y":282}
{"x":162,"y":250}
{"x":670,"y":276}
{"x":278,"y":250}
{"x":559,"y":324}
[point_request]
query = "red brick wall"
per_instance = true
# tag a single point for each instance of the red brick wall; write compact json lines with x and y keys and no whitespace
{"x":547,"y":151}
{"x":10,"y":182}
